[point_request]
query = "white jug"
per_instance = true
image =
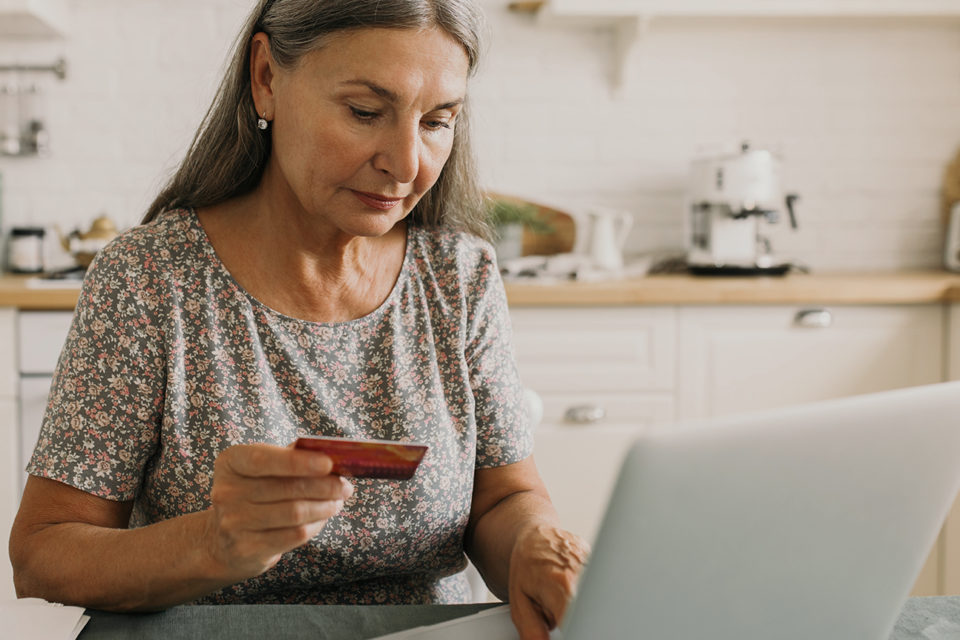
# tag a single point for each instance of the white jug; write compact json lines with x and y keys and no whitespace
{"x":602,"y":236}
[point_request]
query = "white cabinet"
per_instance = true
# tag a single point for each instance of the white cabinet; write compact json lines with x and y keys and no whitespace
{"x":41,"y":335}
{"x":742,"y":358}
{"x":654,"y":365}
{"x":9,"y":442}
{"x":30,"y":344}
{"x":622,"y":349}
{"x":614,"y":367}
{"x":745,"y":358}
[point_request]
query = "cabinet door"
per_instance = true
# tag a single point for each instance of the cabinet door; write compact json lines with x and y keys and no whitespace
{"x":595,"y":349}
{"x":579,"y":466}
{"x":618,"y":365}
{"x":9,"y":487}
{"x":9,"y":442}
{"x":42,"y":334}
{"x":8,"y":352}
{"x":736,"y":359}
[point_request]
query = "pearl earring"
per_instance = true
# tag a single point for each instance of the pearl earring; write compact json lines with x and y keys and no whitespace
{"x":262,"y":123}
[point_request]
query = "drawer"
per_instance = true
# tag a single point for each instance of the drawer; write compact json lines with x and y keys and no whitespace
{"x":41,"y":338}
{"x":592,"y":349}
{"x":635,"y":409}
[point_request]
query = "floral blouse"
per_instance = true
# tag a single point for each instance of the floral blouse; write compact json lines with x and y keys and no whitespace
{"x":169,"y":362}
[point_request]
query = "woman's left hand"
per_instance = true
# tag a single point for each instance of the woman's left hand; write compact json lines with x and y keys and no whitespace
{"x":544,"y":567}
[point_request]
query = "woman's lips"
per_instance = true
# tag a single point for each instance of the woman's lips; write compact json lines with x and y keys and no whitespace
{"x":376,"y":201}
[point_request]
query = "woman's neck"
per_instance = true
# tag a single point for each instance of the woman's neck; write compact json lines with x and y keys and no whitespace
{"x":303,"y":270}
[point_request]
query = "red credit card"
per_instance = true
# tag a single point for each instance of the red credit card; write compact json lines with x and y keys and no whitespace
{"x":368,"y":458}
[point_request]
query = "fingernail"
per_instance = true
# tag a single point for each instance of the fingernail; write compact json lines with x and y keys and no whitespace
{"x":347,"y":486}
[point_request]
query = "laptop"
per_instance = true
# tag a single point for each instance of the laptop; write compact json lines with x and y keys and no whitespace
{"x":800,"y":523}
{"x":810,"y":522}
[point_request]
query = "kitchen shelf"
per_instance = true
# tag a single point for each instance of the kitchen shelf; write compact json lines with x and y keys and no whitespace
{"x":742,"y":8}
{"x":33,"y":18}
{"x":629,"y":20}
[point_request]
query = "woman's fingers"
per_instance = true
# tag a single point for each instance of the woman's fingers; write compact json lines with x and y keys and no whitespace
{"x":528,"y":619}
{"x":260,"y":460}
{"x":268,"y":500}
{"x":275,"y":489}
{"x":277,"y":515}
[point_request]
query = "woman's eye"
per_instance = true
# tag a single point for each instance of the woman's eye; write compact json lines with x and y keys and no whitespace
{"x":363,"y":115}
{"x":436,"y":125}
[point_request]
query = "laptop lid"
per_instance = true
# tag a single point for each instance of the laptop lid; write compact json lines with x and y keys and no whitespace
{"x":800,"y":523}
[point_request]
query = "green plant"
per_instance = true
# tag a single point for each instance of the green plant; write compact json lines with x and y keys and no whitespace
{"x":502,"y":213}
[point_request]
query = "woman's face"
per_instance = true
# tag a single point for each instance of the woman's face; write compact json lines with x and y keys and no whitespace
{"x":363,"y":125}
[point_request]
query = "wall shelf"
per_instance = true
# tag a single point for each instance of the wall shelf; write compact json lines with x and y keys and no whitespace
{"x":741,"y":8}
{"x":33,"y":18}
{"x":629,"y":20}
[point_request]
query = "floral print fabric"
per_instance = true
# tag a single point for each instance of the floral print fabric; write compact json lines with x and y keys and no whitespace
{"x":169,"y":362}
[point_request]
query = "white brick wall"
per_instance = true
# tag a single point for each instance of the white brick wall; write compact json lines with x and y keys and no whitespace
{"x":866,"y":114}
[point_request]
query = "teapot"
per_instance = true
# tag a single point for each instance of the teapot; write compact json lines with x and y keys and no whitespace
{"x":601,"y":236}
{"x":83,"y":246}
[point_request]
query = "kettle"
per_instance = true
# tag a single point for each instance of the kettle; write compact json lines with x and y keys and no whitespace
{"x":83,"y":246}
{"x":601,"y":236}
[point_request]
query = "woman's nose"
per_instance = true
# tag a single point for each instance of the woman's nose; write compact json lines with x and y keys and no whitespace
{"x":399,"y":154}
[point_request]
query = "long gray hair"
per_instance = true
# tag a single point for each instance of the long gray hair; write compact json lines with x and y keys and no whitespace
{"x":229,"y":153}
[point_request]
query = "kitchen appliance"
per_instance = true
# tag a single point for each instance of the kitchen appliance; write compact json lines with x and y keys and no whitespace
{"x":732,"y":200}
{"x":84,"y":245}
{"x":951,"y":253}
{"x":600,"y":237}
{"x":25,"y":250}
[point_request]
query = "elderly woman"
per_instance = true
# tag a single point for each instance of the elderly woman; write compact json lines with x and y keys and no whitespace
{"x":315,"y":267}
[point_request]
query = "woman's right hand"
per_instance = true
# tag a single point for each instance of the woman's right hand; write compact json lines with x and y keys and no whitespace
{"x":268,"y":500}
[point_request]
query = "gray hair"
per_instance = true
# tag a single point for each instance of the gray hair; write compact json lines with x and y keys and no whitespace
{"x":228,"y":153}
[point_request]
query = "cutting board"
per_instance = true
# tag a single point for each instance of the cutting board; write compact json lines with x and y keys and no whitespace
{"x":561,"y":240}
{"x":951,"y":188}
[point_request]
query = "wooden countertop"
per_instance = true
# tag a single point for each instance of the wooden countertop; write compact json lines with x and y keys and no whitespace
{"x":917,"y":287}
{"x":15,"y":291}
{"x":912,"y":287}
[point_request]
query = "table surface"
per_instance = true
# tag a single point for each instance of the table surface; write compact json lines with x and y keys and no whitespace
{"x":934,"y":618}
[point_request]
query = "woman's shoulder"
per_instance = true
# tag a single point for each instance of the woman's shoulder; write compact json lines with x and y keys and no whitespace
{"x":155,"y":244}
{"x":141,"y":262}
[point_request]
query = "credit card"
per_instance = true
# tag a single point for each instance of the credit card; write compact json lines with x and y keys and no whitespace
{"x":368,"y":458}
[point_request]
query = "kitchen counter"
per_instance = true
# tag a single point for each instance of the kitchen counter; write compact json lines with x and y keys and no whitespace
{"x":908,"y":287}
{"x":16,"y":291}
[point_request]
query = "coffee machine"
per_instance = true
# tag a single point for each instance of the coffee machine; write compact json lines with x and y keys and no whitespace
{"x":732,"y":200}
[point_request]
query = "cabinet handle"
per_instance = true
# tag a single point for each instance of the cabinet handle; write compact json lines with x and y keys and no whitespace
{"x":813,"y":318}
{"x":584,"y":414}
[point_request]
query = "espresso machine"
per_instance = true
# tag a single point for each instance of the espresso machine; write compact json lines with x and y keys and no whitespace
{"x":732,"y":201}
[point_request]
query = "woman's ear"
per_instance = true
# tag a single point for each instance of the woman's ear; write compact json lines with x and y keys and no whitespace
{"x":261,"y":75}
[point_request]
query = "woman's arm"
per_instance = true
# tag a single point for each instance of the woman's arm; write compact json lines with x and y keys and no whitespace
{"x":514,"y":539}
{"x":72,"y":547}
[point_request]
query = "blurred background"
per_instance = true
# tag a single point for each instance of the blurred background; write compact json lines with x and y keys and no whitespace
{"x":863,"y":111}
